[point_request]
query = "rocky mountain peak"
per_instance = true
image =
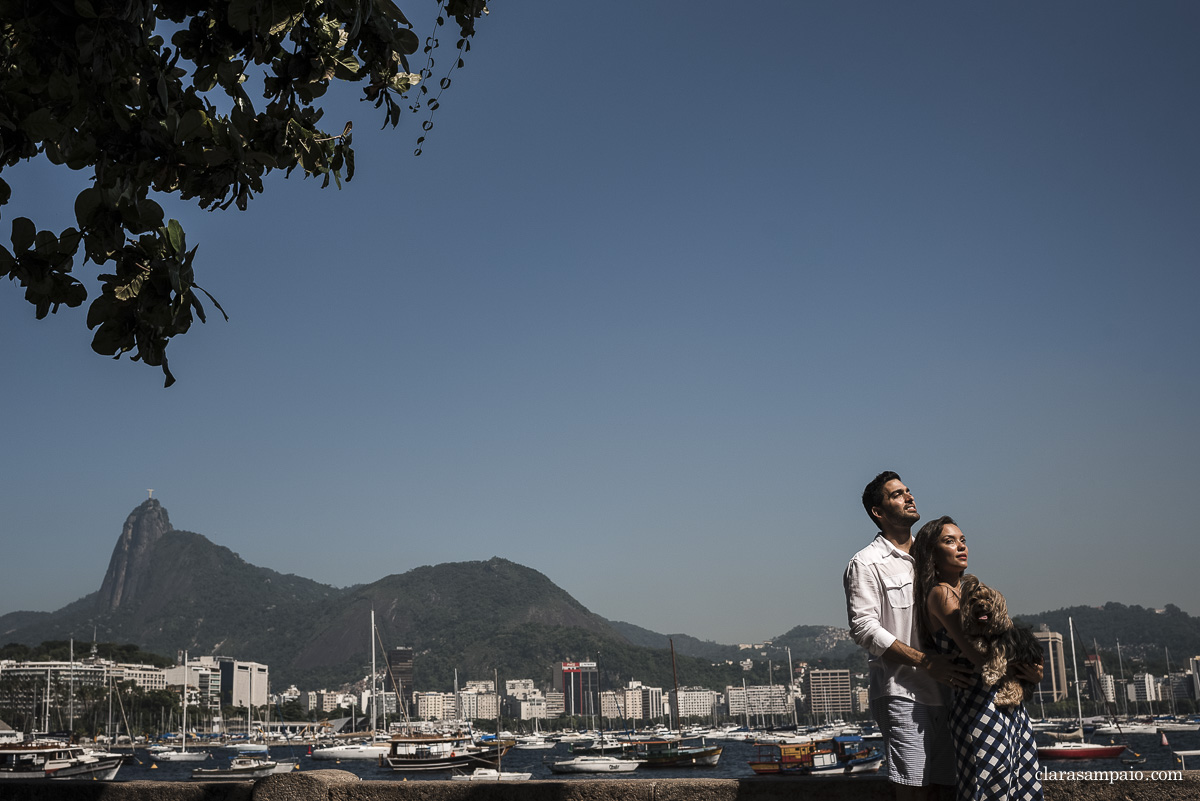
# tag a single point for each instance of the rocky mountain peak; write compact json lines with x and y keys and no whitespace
{"x":131,"y":561}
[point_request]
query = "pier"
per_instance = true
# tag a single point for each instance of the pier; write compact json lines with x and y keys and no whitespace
{"x":338,"y":785}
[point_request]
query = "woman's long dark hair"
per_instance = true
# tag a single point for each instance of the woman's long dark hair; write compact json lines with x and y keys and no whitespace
{"x":926,"y":572}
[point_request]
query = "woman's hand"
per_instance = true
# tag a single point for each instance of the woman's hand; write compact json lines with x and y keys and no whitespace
{"x":1026,"y":671}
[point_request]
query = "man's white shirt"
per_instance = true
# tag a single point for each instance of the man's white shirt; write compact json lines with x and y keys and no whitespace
{"x":881,"y":610}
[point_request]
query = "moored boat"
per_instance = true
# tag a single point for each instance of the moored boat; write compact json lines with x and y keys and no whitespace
{"x":674,"y":753}
{"x":441,"y":752}
{"x":590,"y":763}
{"x":491,"y":775}
{"x":241,"y":768}
{"x":55,"y":760}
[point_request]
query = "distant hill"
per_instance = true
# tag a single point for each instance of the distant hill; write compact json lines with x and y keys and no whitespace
{"x":1143,"y":633}
{"x":167,"y":590}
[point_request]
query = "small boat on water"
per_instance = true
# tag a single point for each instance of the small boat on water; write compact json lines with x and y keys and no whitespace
{"x":673,"y":753}
{"x":47,"y":759}
{"x":491,"y":775}
{"x":241,"y":768}
{"x":1073,"y":750}
{"x":422,"y":752}
{"x":371,"y":751}
{"x":835,"y":755}
{"x":590,"y":763}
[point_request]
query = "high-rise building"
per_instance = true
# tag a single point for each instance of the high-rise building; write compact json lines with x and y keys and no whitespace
{"x":1054,"y":670}
{"x":242,"y":683}
{"x":581,"y":688}
{"x":829,"y":692}
{"x":398,"y":667}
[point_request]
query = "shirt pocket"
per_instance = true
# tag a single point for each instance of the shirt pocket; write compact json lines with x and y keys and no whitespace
{"x":899,"y":591}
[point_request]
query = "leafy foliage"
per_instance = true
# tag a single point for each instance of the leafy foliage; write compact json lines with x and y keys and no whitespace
{"x":92,"y":85}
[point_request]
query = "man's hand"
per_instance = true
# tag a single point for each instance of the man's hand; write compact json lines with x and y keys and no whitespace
{"x":946,"y":671}
{"x":1027,"y":671}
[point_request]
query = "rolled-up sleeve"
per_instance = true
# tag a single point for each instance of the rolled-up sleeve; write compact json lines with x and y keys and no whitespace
{"x":864,"y":601}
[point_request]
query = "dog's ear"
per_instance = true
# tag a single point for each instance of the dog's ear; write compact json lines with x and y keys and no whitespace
{"x":969,"y":584}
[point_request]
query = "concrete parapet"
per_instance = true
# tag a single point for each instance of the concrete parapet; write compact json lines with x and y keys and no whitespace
{"x":337,"y":785}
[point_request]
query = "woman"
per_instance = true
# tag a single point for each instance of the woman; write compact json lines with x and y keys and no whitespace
{"x":994,"y":746}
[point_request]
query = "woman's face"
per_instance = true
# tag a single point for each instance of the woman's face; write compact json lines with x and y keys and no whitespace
{"x":950,"y":551}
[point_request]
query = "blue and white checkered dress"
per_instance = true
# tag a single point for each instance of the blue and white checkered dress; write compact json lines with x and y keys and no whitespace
{"x":994,"y":746}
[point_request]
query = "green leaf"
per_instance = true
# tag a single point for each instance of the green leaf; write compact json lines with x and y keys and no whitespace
{"x":23,"y":234}
{"x":176,"y":237}
{"x":193,"y":122}
{"x":87,"y":203}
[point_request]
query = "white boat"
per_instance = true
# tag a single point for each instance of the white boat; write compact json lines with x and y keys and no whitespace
{"x":286,"y":765}
{"x":241,"y":768}
{"x":182,"y":755}
{"x":534,"y":744}
{"x":491,"y":775}
{"x":371,"y":751}
{"x":48,"y":759}
{"x":594,"y":764}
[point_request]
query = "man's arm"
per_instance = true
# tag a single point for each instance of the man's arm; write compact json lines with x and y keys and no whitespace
{"x":941,"y":667}
{"x":864,"y":599}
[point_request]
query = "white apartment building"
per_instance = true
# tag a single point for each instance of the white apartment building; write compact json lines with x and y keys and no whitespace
{"x":759,"y":699}
{"x":691,"y":702}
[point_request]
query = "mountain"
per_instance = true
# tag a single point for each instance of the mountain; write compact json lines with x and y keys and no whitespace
{"x":168,"y":590}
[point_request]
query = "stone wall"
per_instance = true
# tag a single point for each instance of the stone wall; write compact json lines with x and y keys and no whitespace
{"x":337,"y":785}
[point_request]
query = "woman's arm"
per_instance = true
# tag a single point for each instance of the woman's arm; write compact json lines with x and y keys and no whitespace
{"x":943,"y":607}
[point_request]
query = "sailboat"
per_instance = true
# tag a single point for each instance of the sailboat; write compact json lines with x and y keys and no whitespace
{"x":182,"y":755}
{"x":1080,"y":749}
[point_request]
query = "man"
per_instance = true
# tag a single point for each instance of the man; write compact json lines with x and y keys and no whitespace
{"x":906,"y":701}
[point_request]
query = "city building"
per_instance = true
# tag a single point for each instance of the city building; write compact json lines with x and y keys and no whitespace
{"x":693,"y":702}
{"x":581,"y":688}
{"x":556,"y":704}
{"x":829,"y":693}
{"x":759,"y":699}
{"x":1143,"y":687}
{"x":1054,"y":670}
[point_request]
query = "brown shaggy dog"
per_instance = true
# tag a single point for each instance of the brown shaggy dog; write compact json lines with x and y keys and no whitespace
{"x":988,"y":627}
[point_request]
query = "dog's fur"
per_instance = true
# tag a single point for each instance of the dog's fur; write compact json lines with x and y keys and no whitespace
{"x":988,"y":627}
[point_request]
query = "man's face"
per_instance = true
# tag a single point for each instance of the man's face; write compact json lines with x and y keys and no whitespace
{"x":898,"y":507}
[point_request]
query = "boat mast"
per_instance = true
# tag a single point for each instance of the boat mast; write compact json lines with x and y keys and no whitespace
{"x":1124,"y":687}
{"x":675,"y":674}
{"x":1170,"y":685}
{"x":374,"y":706}
{"x":1075,"y":671}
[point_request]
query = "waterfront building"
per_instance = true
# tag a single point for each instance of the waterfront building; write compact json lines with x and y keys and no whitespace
{"x":862,"y":699}
{"x":520,"y":689}
{"x":1096,"y":684}
{"x":1054,"y":669}
{"x":652,"y":703}
{"x":433,"y":706}
{"x":206,"y":678}
{"x":242,"y":683}
{"x":693,"y":702}
{"x":398,"y":665}
{"x":1143,"y":687}
{"x":556,"y":704}
{"x":532,"y":708}
{"x":609,"y":708}
{"x":481,"y":685}
{"x":829,"y":693}
{"x":1194,"y":668}
{"x":632,"y":701}
{"x":580,"y":687}
{"x":759,"y":699}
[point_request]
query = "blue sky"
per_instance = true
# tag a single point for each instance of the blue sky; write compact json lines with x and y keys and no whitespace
{"x":669,"y":284}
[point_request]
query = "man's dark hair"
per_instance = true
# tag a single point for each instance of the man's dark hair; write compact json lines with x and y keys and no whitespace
{"x":873,"y":494}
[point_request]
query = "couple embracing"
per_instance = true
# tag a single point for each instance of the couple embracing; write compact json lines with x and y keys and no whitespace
{"x":903,"y":597}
